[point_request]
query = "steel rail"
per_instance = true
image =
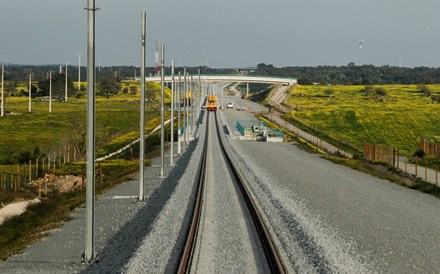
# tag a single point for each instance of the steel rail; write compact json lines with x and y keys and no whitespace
{"x":272,"y":254}
{"x":185,"y":262}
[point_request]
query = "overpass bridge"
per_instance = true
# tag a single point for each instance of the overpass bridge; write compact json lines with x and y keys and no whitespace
{"x":231,"y":78}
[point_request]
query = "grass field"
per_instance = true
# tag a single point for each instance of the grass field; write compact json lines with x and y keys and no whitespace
{"x":23,"y":131}
{"x":348,"y":114}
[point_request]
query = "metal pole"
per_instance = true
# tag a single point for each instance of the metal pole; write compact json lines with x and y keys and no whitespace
{"x":3,"y":97}
{"x":187,"y":109}
{"x":192,"y":99}
{"x":179,"y":96}
{"x":50,"y":91}
{"x":142,"y":118}
{"x":184,"y":108}
{"x":65,"y":87}
{"x":79,"y":70}
{"x":199,"y":101}
{"x":162,"y":112}
{"x":30,"y":92}
{"x":223,"y":93}
{"x":247,"y":90}
{"x":172,"y":112}
{"x":90,"y":170}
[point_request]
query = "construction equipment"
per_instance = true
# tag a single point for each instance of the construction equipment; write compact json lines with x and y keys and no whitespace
{"x":212,"y":103}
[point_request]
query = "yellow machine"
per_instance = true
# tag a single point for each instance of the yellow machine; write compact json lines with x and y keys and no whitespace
{"x":212,"y":103}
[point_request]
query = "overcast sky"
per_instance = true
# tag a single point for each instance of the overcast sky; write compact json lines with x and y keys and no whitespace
{"x":228,"y":33}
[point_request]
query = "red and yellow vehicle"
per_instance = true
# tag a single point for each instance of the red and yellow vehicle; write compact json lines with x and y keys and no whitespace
{"x":212,"y":103}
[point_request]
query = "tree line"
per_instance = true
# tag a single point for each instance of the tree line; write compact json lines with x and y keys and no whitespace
{"x":354,"y":75}
{"x":345,"y":75}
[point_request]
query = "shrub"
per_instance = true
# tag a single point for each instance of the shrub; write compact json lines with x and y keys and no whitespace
{"x":329,"y":91}
{"x":381,"y":92}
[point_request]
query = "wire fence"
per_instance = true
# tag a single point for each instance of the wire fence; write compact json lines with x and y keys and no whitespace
{"x":319,"y":143}
{"x":13,"y":177}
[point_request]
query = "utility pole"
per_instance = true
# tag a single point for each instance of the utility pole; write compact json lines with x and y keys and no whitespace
{"x":30,"y":91}
{"x":142,"y":118}
{"x":172,"y":113}
{"x":3,"y":86}
{"x":79,"y":69}
{"x":184,"y":107}
{"x":162,"y":112}
{"x":89,"y":252}
{"x":50,"y":90}
{"x":65,"y":86}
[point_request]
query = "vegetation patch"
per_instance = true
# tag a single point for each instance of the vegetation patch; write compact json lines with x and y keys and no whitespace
{"x":398,"y":115}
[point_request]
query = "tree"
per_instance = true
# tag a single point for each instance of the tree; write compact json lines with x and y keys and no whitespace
{"x":58,"y":86}
{"x":133,"y":89}
{"x":424,"y":89}
{"x":150,"y":93}
{"x":109,"y":86}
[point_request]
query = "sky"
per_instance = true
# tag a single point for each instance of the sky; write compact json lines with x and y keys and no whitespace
{"x":225,"y":33}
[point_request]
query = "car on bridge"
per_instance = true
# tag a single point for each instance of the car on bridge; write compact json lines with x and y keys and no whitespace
{"x":230,"y":105}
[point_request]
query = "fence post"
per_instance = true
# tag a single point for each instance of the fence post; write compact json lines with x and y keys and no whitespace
{"x":24,"y":173}
{"x":100,"y":173}
{"x":30,"y":171}
{"x":406,"y":164}
{"x":426,"y":170}
{"x":60,"y":154}
{"x":436,"y":175}
{"x":416,"y":166}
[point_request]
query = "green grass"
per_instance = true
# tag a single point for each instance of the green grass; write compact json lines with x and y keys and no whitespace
{"x":116,"y":116}
{"x":349,"y":116}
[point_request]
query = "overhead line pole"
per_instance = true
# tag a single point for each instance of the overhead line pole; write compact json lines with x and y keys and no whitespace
{"x":162,"y":112}
{"x":184,"y":108}
{"x":3,"y":86}
{"x":187,"y":109}
{"x":142,"y":103}
{"x":65,"y":89}
{"x":30,"y":92}
{"x":172,"y":113}
{"x":89,"y":253}
{"x":179,"y":137}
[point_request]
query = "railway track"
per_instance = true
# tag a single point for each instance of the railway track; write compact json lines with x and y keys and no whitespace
{"x":271,"y":254}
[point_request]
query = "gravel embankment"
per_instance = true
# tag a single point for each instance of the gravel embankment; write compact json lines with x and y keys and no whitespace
{"x":330,"y":218}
